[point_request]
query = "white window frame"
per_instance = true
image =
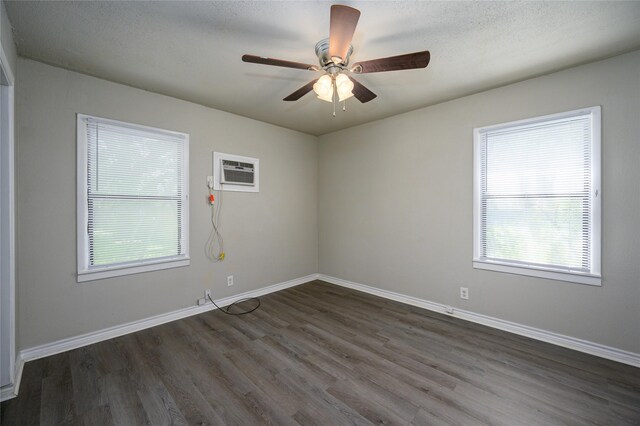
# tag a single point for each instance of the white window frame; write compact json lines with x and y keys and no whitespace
{"x":592,"y":278}
{"x":90,"y":273}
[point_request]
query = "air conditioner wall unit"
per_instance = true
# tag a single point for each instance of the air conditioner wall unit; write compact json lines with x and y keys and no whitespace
{"x":235,"y":173}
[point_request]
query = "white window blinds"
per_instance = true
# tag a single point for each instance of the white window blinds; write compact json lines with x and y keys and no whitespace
{"x":536,"y":194}
{"x":136,"y":197}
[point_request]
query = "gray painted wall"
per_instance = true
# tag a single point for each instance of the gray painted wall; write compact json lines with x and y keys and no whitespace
{"x":404,"y":228}
{"x":270,"y":237}
{"x":395,"y":205}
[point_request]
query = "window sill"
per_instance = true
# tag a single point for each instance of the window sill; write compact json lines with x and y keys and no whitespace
{"x":98,"y":274}
{"x":594,"y":280}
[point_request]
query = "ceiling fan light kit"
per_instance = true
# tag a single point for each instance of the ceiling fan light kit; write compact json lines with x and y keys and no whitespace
{"x":334,"y":53}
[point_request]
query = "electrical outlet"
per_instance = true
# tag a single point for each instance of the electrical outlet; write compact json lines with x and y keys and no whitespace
{"x":210,"y":182}
{"x":230,"y":280}
{"x":464,"y":293}
{"x":207,"y":295}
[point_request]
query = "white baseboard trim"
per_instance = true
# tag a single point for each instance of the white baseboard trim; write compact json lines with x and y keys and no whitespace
{"x":6,"y":392}
{"x":11,"y":390}
{"x":75,"y":342}
{"x":580,"y":345}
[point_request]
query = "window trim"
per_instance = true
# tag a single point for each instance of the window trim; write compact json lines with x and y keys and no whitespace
{"x":594,"y":278}
{"x":88,"y":273}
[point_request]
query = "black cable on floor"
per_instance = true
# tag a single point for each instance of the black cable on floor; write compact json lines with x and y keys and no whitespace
{"x":226,"y":309}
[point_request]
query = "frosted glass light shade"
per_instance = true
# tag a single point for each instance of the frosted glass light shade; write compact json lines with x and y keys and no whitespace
{"x":324,"y":88}
{"x":344,"y":86}
{"x":326,"y":98}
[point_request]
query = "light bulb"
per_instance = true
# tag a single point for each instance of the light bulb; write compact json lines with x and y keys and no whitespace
{"x":324,"y":88}
{"x":344,"y":86}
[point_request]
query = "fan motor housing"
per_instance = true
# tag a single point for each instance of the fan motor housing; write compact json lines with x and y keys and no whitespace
{"x":322,"y":51}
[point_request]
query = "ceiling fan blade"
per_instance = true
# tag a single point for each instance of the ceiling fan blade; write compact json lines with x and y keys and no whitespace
{"x":301,"y":91}
{"x":343,"y":24}
{"x":393,"y":63}
{"x":360,"y":92}
{"x":278,"y":62}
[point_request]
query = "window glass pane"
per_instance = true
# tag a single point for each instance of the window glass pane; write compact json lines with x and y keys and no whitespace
{"x":125,"y":162}
{"x":544,"y":231}
{"x":544,"y":159}
{"x":127,"y":229}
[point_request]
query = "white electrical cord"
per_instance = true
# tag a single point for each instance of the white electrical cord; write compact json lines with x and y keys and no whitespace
{"x":215,"y":237}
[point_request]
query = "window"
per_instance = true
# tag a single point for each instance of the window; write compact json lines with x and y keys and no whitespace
{"x":537,"y":197}
{"x":132,"y":198}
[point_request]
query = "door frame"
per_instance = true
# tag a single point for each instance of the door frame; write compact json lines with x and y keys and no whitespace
{"x":7,"y":204}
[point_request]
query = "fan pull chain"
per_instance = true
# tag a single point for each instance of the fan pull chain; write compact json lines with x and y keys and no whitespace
{"x":344,"y":105}
{"x":335,"y":96}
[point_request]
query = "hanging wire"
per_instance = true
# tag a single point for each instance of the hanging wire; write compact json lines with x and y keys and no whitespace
{"x":215,"y":240}
{"x":227,"y":309}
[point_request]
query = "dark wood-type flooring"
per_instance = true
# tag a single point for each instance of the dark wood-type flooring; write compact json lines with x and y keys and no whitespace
{"x":323,"y":354}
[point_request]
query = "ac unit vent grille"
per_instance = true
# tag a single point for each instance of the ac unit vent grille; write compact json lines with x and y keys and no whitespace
{"x":238,"y":173}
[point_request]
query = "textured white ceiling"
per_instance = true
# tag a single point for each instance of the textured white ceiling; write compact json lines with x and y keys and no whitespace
{"x":192,"y":50}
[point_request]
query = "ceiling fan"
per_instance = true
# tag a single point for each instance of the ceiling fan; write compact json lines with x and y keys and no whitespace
{"x":334,"y":53}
